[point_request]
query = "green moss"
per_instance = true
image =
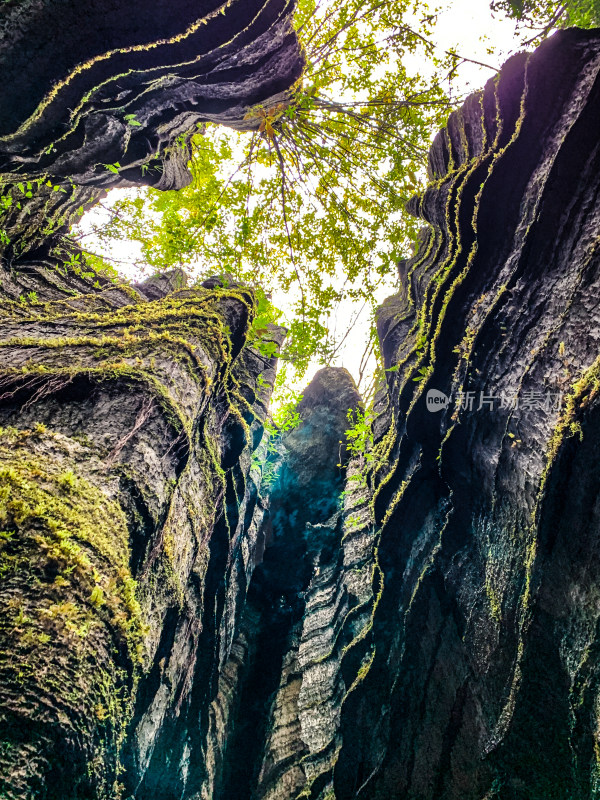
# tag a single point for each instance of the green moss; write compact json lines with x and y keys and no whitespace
{"x":583,"y":390}
{"x":71,"y":632}
{"x":64,"y":544}
{"x":68,"y":525}
{"x":423,"y":357}
{"x":494,"y":601}
{"x":362,"y":673}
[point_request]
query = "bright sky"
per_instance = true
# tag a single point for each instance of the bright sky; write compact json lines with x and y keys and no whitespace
{"x":470,"y":29}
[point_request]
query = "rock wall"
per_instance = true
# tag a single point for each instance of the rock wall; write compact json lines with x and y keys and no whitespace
{"x":127,"y":433}
{"x":449,"y":648}
{"x":310,"y":599}
{"x":110,"y":95}
{"x":125,"y":84}
{"x":128,"y":414}
{"x":484,"y":680}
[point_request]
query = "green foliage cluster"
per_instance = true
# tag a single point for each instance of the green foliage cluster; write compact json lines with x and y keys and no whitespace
{"x":309,"y":202}
{"x":15,"y":198}
{"x":359,"y":439}
{"x":539,"y":17}
{"x":284,"y":418}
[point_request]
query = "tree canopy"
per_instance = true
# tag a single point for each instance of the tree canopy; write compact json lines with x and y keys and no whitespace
{"x":539,"y":17}
{"x":310,"y":206}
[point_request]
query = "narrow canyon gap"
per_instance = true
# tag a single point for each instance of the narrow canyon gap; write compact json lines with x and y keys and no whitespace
{"x":188,"y":610}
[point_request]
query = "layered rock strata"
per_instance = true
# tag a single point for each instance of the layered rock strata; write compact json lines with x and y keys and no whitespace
{"x":129,"y":413}
{"x":128,"y":426}
{"x":123,"y":84}
{"x":181,"y":619}
{"x":485,"y":676}
{"x":110,"y":96}
{"x":276,"y":716}
{"x":472,"y":671}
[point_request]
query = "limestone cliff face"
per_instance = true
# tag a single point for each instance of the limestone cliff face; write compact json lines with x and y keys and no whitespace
{"x":276,"y":717}
{"x":110,"y":95}
{"x":485,"y":676}
{"x":125,"y":83}
{"x":127,"y":432}
{"x":128,"y":414}
{"x":449,"y":649}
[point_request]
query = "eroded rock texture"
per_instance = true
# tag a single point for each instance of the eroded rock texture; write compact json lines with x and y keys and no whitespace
{"x":110,"y":94}
{"x":448,"y":647}
{"x":127,"y":431}
{"x":129,"y":414}
{"x":485,"y":676}
{"x":121,"y":82}
{"x":276,"y":717}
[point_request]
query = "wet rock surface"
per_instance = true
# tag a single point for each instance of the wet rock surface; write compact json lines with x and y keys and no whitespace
{"x":309,"y":602}
{"x":123,"y":84}
{"x":110,"y":96}
{"x":481,"y":685}
{"x":126,"y":431}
